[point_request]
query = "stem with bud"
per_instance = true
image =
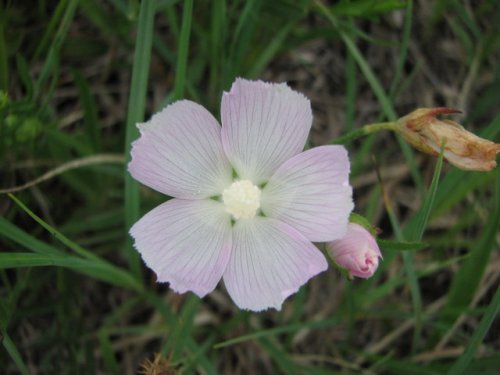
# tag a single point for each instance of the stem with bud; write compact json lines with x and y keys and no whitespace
{"x":364,"y":131}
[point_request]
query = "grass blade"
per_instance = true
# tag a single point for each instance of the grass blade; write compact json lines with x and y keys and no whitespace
{"x":90,"y":112}
{"x":403,"y":52}
{"x":51,"y":61}
{"x":107,"y":352}
{"x":182,"y":56}
{"x":423,"y":217}
{"x":4,"y":66}
{"x":279,"y":330}
{"x":182,"y":331}
{"x":240,"y":44}
{"x":465,"y":359}
{"x":270,"y":51}
{"x":388,"y":245}
{"x":10,"y":231}
{"x":137,"y":104}
{"x":22,"y":260}
{"x":58,"y":235}
{"x":424,"y":213}
{"x":376,"y":87}
{"x":218,"y":35}
{"x":468,"y":277}
{"x":10,"y":347}
{"x":98,"y":269}
{"x":91,"y":265}
{"x":351,"y":91}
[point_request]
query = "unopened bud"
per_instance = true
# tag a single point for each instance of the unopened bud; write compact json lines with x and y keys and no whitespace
{"x":423,"y":130}
{"x":357,"y":252}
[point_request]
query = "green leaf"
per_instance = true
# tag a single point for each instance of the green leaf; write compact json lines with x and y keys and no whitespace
{"x":364,"y":222}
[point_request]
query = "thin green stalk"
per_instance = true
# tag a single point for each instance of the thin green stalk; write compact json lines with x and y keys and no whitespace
{"x":364,"y":131}
{"x":137,"y":104}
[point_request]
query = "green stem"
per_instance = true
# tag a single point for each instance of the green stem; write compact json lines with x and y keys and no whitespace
{"x":364,"y":131}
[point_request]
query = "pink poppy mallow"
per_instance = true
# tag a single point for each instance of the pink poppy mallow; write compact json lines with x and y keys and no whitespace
{"x":357,"y":252}
{"x":247,"y":203}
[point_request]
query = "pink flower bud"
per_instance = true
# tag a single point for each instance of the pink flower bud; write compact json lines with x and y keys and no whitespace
{"x":357,"y":252}
{"x":462,"y":148}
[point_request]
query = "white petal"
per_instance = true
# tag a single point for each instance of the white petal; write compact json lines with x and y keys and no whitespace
{"x":263,"y":125}
{"x":311,"y":192}
{"x":270,"y":261}
{"x":186,"y":242}
{"x":180,"y":153}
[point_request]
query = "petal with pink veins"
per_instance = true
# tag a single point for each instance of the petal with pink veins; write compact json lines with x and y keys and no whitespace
{"x":269,"y":262}
{"x":179,"y":153}
{"x":186,"y":242}
{"x":311,"y":192}
{"x":263,"y":125}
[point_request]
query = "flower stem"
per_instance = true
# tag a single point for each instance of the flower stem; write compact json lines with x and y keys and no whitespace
{"x":364,"y":131}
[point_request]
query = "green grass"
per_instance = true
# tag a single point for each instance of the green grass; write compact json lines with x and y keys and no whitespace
{"x":77,"y":76}
{"x":135,"y":115}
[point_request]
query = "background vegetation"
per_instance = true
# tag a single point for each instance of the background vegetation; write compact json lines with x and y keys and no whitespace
{"x":75,"y":78}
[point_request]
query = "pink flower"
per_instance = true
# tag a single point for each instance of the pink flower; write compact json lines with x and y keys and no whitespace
{"x":247,"y":203}
{"x":357,"y":252}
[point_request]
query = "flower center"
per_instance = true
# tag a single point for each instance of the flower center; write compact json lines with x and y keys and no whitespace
{"x":242,"y":199}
